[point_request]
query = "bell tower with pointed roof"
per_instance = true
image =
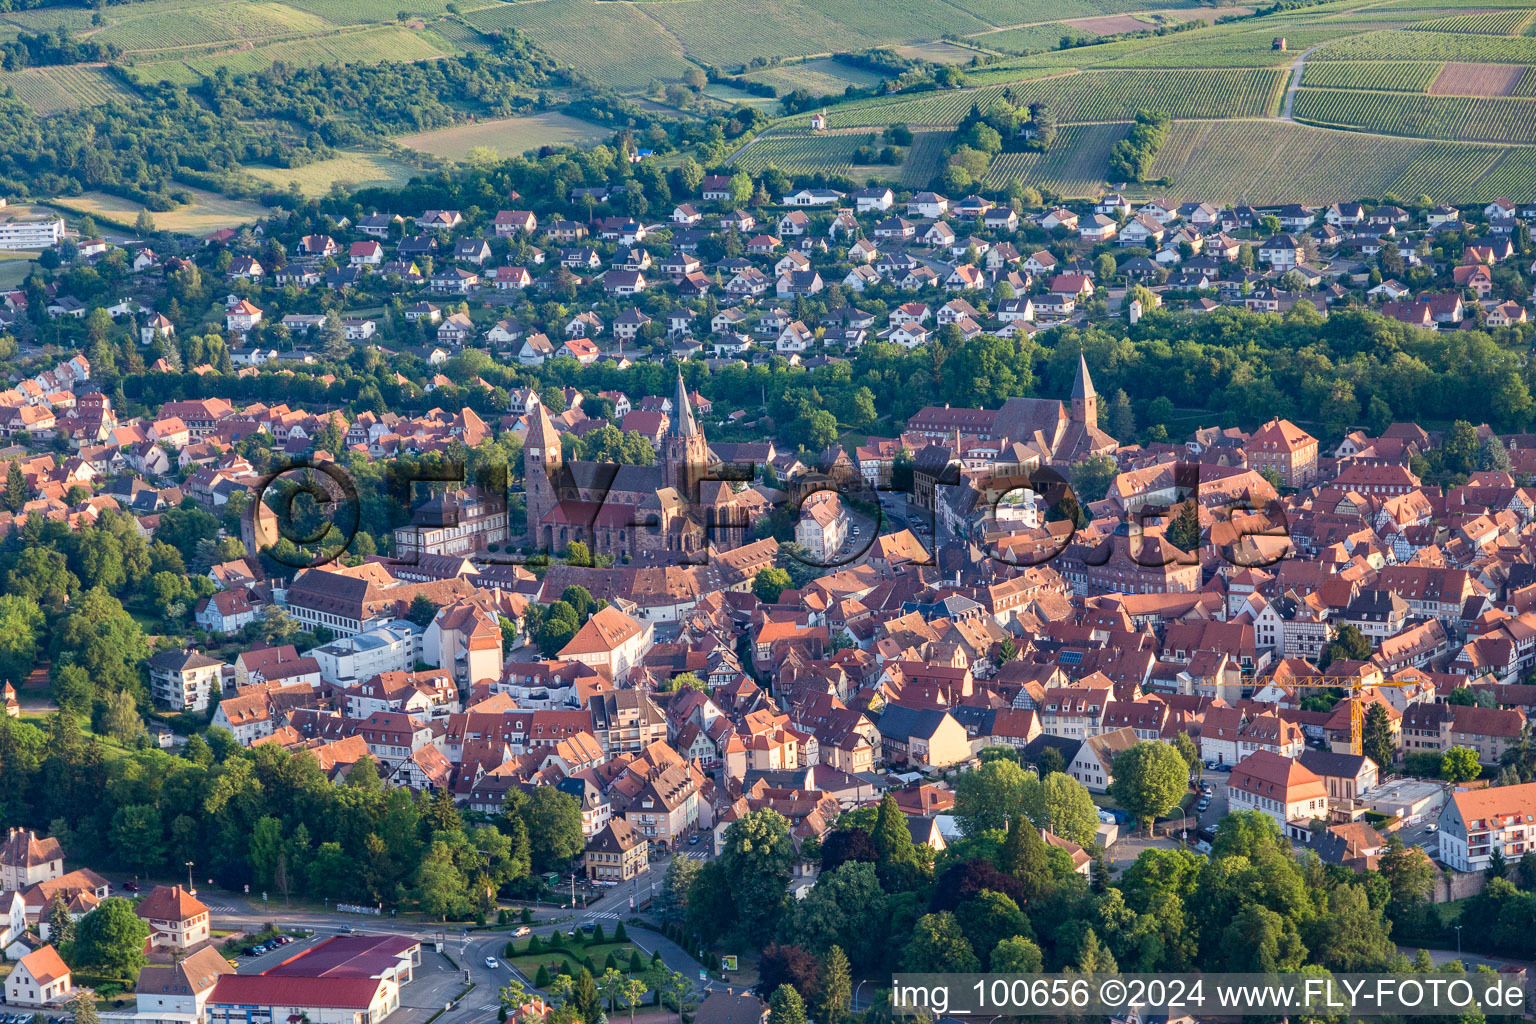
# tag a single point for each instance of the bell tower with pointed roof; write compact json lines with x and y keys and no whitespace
{"x":684,"y":452}
{"x":1085,"y":400}
{"x":542,"y":461}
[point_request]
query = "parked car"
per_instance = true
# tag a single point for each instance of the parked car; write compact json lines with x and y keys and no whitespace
{"x":251,"y":951}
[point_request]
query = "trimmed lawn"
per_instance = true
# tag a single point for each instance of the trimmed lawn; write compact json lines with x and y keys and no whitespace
{"x":568,"y":961}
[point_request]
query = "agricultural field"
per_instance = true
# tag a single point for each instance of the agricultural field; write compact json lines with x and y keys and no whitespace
{"x":1029,"y":39}
{"x":352,"y":168}
{"x":368,"y":46}
{"x":201,"y":27}
{"x":1404,"y":45}
{"x":208,"y":212}
{"x":786,"y":28}
{"x":1435,"y":117}
{"x":1268,"y":162}
{"x":1090,"y":96}
{"x":1409,"y":76}
{"x":737,"y":98}
{"x":615,"y":43}
{"x":1024,"y":12}
{"x":1489,"y":23}
{"x":1476,"y":80}
{"x":821,"y":77}
{"x":1073,"y":166}
{"x":939,"y":52}
{"x":53,"y":90}
{"x":508,"y":137}
{"x":362,"y":12}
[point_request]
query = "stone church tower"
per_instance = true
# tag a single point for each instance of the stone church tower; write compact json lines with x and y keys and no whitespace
{"x":684,"y":453}
{"x":542,"y":463}
{"x":1085,"y":400}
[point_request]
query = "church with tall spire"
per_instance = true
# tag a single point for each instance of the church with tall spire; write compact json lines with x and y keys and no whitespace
{"x":665,"y":511}
{"x":1058,"y":433}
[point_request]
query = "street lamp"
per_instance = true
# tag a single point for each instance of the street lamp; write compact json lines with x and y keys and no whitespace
{"x":190,"y":886}
{"x":1458,"y":942}
{"x":856,"y":988}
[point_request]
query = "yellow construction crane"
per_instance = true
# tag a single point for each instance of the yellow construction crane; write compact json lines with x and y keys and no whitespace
{"x":1353,"y":685}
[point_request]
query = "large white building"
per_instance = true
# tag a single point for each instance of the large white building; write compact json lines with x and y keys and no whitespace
{"x":393,"y":647}
{"x":31,"y":232}
{"x":1476,"y":823}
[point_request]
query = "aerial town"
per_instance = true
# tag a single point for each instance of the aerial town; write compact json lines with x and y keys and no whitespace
{"x":553,"y":612}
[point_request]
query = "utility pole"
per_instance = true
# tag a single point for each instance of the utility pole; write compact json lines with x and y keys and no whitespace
{"x":190,"y":886}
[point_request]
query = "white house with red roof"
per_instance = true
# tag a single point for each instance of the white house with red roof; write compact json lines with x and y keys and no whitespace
{"x":177,"y":919}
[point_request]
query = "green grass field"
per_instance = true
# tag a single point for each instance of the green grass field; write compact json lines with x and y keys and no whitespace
{"x":209,"y":212}
{"x":820,"y":77}
{"x":52,"y":90}
{"x":1029,"y":39}
{"x":508,"y":137}
{"x":351,"y":168}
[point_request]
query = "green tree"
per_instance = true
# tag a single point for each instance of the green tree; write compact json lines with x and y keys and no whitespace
{"x":1025,"y":857}
{"x":1348,"y":644}
{"x":553,"y":819}
{"x":1067,"y":809}
{"x":61,"y":927}
{"x":1460,"y":764}
{"x":110,"y":939}
{"x":1184,"y":529}
{"x":1149,"y":778}
{"x":938,"y":945}
{"x":836,"y":989}
{"x":21,"y":632}
{"x":1091,"y":477}
{"x":769,"y":583}
{"x":988,"y":797}
{"x":756,"y":858}
{"x":1016,"y":955}
{"x":895,"y":856}
{"x":785,"y":1006}
{"x":1377,"y":741}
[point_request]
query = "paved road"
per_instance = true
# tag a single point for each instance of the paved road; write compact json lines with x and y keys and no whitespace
{"x":1297,"y":69}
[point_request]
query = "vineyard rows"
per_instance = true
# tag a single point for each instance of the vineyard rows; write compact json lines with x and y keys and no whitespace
{"x":612,"y":42}
{"x":53,"y":90}
{"x":1406,"y":76}
{"x":1436,"y":117}
{"x":1264,"y":162}
{"x":205,"y":26}
{"x":1468,"y":49}
{"x":1092,"y":96}
{"x":1074,"y":166}
{"x":1491,"y":23}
